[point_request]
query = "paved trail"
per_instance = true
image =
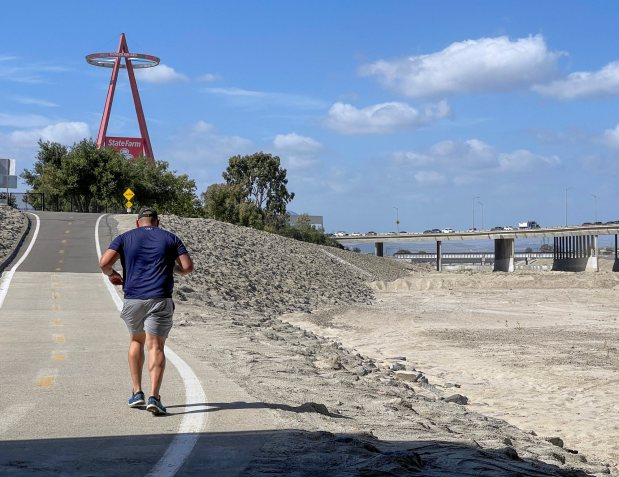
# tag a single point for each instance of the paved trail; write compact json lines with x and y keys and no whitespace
{"x":64,"y":378}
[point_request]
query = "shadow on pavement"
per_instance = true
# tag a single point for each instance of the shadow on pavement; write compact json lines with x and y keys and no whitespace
{"x":261,"y":453}
{"x":310,"y":407}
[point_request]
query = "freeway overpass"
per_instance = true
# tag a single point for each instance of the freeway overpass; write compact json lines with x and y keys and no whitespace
{"x":575,"y":247}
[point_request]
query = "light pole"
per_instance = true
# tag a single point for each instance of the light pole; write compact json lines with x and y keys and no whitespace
{"x":397,"y":219}
{"x":474,"y":198}
{"x":595,"y":206}
{"x":482,"y":214}
{"x":566,"y":189}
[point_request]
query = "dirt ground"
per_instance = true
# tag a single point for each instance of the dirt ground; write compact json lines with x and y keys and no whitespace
{"x":537,"y":349}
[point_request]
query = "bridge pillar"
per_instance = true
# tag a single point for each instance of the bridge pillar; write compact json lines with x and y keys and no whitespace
{"x":439,"y":256}
{"x":503,"y":255}
{"x":616,"y":264}
{"x":576,"y":254}
{"x":378,"y":249}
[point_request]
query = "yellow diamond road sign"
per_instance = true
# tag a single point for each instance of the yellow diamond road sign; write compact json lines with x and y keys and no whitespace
{"x":128,"y":203}
{"x":129,"y":194}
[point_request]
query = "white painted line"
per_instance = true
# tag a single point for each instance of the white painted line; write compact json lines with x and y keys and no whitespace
{"x":117,"y":300}
{"x":192,"y":423}
{"x":8,"y":276}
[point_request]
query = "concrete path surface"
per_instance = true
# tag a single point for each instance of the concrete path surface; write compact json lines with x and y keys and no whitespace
{"x":64,"y":378}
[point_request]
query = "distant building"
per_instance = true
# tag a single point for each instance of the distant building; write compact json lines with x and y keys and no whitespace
{"x":316,"y":221}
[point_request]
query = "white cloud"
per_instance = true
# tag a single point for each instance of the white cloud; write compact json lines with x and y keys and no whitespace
{"x":294,"y":142}
{"x":430,"y":178}
{"x":26,"y":73}
{"x":382,"y":118}
{"x":159,"y":74}
{"x":471,"y":66}
{"x":63,"y":132}
{"x":247,"y":97}
{"x":34,"y":101}
{"x":522,"y":160}
{"x":209,"y":77}
{"x":203,"y":152}
{"x":465,"y":162}
{"x":584,"y":84}
{"x":23,"y":120}
{"x":298,"y":152}
{"x":611,"y":137}
{"x":412,"y":159}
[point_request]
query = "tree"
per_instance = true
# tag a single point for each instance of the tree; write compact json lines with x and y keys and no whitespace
{"x":85,"y":175}
{"x":227,"y":203}
{"x":546,"y":248}
{"x":263,"y":183}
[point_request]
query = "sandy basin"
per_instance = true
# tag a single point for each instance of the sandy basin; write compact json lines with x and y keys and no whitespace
{"x":537,"y":349}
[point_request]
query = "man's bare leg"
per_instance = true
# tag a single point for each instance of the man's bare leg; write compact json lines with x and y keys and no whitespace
{"x":136,"y":360}
{"x":156,"y":362}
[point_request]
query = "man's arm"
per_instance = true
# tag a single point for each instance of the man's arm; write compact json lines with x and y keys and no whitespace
{"x":184,"y":264}
{"x":107,"y":261}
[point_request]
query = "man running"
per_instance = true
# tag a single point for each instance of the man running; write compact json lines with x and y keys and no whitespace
{"x":149,"y":256}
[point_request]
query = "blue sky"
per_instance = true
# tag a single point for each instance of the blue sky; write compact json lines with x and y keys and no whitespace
{"x":372,"y":106}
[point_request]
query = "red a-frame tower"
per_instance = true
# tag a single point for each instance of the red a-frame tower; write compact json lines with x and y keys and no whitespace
{"x":129,"y":147}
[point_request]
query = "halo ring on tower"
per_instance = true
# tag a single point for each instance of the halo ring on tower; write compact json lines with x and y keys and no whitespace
{"x":108,"y":60}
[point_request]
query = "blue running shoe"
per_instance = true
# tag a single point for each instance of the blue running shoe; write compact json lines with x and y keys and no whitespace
{"x":154,"y":405}
{"x":136,"y":399}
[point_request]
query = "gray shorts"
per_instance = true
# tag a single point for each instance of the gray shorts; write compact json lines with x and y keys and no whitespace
{"x":153,"y":315}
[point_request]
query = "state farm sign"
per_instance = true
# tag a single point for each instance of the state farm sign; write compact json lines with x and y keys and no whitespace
{"x":129,"y":147}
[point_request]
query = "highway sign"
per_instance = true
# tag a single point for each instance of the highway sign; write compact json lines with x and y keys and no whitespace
{"x":129,"y":194}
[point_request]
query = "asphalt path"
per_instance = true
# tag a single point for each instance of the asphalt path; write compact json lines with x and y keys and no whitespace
{"x":64,"y":378}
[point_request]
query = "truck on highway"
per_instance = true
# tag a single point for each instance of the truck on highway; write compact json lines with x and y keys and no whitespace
{"x":531,"y":224}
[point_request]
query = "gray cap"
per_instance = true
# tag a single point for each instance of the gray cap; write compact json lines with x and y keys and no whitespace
{"x":148,"y":212}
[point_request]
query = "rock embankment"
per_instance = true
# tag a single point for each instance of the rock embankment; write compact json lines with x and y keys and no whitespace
{"x":250,"y":271}
{"x":12,"y":223}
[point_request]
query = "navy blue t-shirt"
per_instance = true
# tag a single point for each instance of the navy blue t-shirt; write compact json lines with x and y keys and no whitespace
{"x":148,"y":255}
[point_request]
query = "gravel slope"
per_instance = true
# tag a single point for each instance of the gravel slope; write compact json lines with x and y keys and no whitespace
{"x":251,"y":271}
{"x":12,"y":222}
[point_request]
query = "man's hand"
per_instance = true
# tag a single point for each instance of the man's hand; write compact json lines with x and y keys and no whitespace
{"x":115,"y":278}
{"x":183,"y":265}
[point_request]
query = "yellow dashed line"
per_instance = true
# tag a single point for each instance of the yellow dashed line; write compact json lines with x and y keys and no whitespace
{"x":55,"y":295}
{"x":70,"y":223}
{"x":45,"y":381}
{"x":60,"y":251}
{"x":55,"y":307}
{"x":58,"y":269}
{"x":64,"y":241}
{"x":58,"y":355}
{"x":58,"y":338}
{"x":67,"y":231}
{"x":61,"y":261}
{"x":57,"y":322}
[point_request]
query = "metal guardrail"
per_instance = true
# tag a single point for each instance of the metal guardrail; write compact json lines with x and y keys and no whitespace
{"x":53,"y":203}
{"x":469,"y":255}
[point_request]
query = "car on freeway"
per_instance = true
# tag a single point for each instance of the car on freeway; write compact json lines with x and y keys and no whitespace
{"x":356,"y":234}
{"x":371,"y":232}
{"x":403,"y":232}
{"x":498,"y":227}
{"x":340,"y":234}
{"x":473,"y":229}
{"x":448,"y":231}
{"x":586,"y":224}
{"x":611,"y":222}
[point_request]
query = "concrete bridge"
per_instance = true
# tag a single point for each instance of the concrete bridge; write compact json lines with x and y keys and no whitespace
{"x":575,"y":247}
